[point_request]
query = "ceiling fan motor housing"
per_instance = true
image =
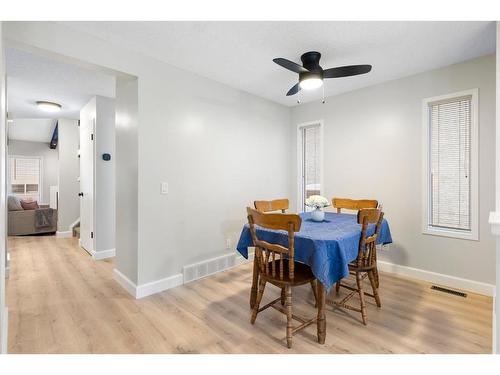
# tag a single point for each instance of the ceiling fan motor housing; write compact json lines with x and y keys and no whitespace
{"x":310,"y":61}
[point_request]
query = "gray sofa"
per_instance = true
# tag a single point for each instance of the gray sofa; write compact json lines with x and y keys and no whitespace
{"x":24,"y":222}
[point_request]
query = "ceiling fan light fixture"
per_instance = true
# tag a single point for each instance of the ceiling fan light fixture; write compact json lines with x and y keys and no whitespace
{"x":48,"y":106}
{"x":311,"y":83}
{"x":311,"y":74}
{"x":310,"y":80}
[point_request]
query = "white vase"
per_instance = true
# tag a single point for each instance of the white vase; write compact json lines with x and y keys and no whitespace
{"x":318,"y":215}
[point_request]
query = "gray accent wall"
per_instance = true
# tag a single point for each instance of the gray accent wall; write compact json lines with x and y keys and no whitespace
{"x":50,"y":162}
{"x":373,"y":149}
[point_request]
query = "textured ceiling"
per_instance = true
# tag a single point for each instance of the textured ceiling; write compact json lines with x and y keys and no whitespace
{"x":240,"y":54}
{"x":31,"y":78}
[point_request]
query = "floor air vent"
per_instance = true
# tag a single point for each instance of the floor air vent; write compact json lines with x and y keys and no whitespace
{"x":449,"y":291}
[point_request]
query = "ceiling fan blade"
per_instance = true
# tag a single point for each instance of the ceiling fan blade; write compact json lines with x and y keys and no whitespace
{"x":346,"y":71}
{"x":290,"y":65}
{"x":295,"y":89}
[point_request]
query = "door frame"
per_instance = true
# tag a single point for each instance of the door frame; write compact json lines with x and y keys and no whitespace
{"x":300,"y":155}
{"x":93,"y":152}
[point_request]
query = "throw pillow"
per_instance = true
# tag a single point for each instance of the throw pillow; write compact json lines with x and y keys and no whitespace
{"x":14,"y":203}
{"x":33,"y":205}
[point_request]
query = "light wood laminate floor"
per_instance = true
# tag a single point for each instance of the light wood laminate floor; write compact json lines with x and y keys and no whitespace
{"x":61,"y":301}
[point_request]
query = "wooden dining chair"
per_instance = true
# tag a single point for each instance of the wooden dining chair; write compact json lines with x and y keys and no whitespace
{"x":274,"y":205}
{"x":356,"y":205}
{"x":277,"y":266}
{"x":268,"y":206}
{"x":365,"y":264}
{"x":353,"y":204}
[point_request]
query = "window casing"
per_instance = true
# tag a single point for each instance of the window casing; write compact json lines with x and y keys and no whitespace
{"x":450,"y":167}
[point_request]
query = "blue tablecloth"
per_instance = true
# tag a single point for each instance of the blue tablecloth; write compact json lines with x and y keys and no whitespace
{"x":327,"y":247}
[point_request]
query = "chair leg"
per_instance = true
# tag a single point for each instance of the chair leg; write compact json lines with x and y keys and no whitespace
{"x":337,"y":287}
{"x":314,"y":287}
{"x":262,"y":286}
{"x":255,"y":283}
{"x":359,"y":282}
{"x":371,"y":276}
{"x":375,"y":270}
{"x":288,"y":305}
{"x":283,"y":297}
{"x":375,"y":276}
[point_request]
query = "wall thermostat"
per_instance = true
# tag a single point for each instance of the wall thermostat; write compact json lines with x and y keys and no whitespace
{"x":106,"y":157}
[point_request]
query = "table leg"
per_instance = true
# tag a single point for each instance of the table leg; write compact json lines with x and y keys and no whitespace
{"x":255,"y":283}
{"x":321,"y":313}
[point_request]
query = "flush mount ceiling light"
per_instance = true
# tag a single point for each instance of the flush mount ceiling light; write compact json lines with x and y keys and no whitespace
{"x":311,"y":74}
{"x":48,"y":106}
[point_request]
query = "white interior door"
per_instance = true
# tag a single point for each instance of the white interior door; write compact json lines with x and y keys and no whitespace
{"x":87,"y":126}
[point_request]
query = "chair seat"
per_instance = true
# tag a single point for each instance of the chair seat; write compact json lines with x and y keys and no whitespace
{"x":302,"y":274}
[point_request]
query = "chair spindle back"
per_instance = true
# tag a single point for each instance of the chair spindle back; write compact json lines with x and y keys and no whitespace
{"x":271,"y":257}
{"x":367,"y":243}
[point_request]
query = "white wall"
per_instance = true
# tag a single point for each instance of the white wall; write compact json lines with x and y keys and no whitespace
{"x":50,"y":163}
{"x":373,"y":149}
{"x":3,"y":211}
{"x":69,"y":170}
{"x":496,"y":308}
{"x":126,"y":172}
{"x":217,"y":147}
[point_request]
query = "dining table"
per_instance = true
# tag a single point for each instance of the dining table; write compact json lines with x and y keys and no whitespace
{"x":327,"y":246}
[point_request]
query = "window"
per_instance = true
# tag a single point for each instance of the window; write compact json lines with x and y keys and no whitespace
{"x":310,"y":149}
{"x":451,"y":170}
{"x":25,"y":177}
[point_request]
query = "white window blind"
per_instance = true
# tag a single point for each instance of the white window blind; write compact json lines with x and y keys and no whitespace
{"x":450,"y":163}
{"x":311,"y":143}
{"x":25,"y":177}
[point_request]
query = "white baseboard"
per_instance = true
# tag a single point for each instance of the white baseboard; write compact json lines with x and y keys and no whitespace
{"x":158,"y":286}
{"x":147,"y":289}
{"x":212,"y":266}
{"x":103,"y":254}
{"x":438,"y":278}
{"x":125,"y":282}
{"x":65,"y":234}
{"x":4,"y":331}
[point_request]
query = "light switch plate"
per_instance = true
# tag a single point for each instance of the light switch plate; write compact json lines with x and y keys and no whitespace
{"x":164,"y":188}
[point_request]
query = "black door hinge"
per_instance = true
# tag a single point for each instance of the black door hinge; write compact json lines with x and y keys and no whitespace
{"x":92,"y":137}
{"x":91,"y":234}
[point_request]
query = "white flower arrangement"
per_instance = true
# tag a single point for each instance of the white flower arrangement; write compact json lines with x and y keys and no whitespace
{"x":317,"y":201}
